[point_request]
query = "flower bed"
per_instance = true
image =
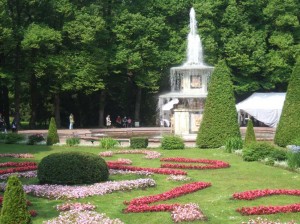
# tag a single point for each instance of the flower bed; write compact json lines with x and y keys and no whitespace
{"x":212,"y":164}
{"x":142,"y":204}
{"x":250,"y":195}
{"x":19,"y":167}
{"x":152,"y":170}
{"x":265,"y":210}
{"x":26,"y":174}
{"x":75,"y":206}
{"x":148,"y":154}
{"x":70,"y":192}
{"x":187,"y":213}
{"x":260,"y":220}
{"x":17,"y":155}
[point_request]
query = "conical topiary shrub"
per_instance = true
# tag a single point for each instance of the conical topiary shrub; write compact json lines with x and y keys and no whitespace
{"x":14,"y":208}
{"x":288,"y":129}
{"x":52,"y":137}
{"x":250,"y":134}
{"x":220,"y":115}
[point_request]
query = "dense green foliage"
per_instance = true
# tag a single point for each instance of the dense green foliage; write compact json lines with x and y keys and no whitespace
{"x":256,"y":151}
{"x":72,"y":168}
{"x":33,"y":139}
{"x":108,"y":143}
{"x":138,"y":142}
{"x":170,"y":142}
{"x":68,"y":56}
{"x":293,"y":159}
{"x":250,"y":134}
{"x":288,"y":128}
{"x":52,"y":136}
{"x":233,"y":144}
{"x":220,"y":116}
{"x":73,"y":141}
{"x":14,"y":208}
{"x":11,"y":138}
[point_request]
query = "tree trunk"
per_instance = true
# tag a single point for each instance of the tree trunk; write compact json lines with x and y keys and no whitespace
{"x":4,"y":107}
{"x":33,"y":99}
{"x":138,"y":104}
{"x":101,"y":108}
{"x":57,"y":109}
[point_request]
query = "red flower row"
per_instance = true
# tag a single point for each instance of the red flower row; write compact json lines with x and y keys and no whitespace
{"x":250,"y":195}
{"x":153,"y":170}
{"x":141,"y":204}
{"x":266,"y":210}
{"x":213,"y":164}
{"x":17,"y":164}
{"x":18,"y":169}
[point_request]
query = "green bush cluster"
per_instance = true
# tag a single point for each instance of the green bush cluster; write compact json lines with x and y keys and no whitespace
{"x":233,"y":144}
{"x":52,"y":137}
{"x":138,"y":142}
{"x":250,"y":134}
{"x":11,"y":138}
{"x":170,"y":142}
{"x":108,"y":143}
{"x":73,"y":141}
{"x":219,"y":121}
{"x":293,"y":159}
{"x":33,"y":139}
{"x":72,"y":168}
{"x":14,"y":208}
{"x":288,"y":127}
{"x":261,"y":150}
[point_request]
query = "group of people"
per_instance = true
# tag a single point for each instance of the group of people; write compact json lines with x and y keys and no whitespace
{"x":3,"y":125}
{"x":120,"y":122}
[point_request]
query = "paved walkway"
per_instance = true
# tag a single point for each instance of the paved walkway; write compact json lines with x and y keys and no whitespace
{"x":124,"y":134}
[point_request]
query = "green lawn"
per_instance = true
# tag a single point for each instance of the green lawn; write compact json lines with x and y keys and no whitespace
{"x":215,"y":201}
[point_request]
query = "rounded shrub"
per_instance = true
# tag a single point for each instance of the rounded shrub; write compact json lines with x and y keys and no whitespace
{"x":108,"y":143}
{"x":33,"y":139}
{"x":172,"y":142}
{"x":260,"y":150}
{"x":14,"y":208}
{"x":72,"y":168}
{"x":52,"y":137}
{"x":138,"y":142}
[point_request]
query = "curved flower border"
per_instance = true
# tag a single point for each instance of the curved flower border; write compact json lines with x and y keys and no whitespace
{"x":266,"y":210}
{"x":212,"y":164}
{"x":18,"y":167}
{"x":148,"y":154}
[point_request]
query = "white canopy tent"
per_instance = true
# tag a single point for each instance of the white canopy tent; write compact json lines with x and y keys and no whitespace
{"x":170,"y":104}
{"x":264,"y":107}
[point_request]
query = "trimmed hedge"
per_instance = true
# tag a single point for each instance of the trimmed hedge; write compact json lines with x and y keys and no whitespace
{"x":233,"y":144}
{"x":219,"y":121}
{"x":288,"y":128}
{"x":52,"y":137}
{"x":260,"y":150}
{"x":250,"y":134}
{"x":14,"y":208}
{"x":72,"y":168}
{"x":172,"y":142}
{"x":138,"y":142}
{"x":108,"y":143}
{"x":11,"y":138}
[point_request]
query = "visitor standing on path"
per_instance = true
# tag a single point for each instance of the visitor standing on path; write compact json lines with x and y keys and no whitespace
{"x":71,"y":119}
{"x":119,"y":121}
{"x":108,"y":121}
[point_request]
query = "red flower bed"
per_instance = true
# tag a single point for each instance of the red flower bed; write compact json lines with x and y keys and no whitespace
{"x":250,"y":195}
{"x":265,"y":210}
{"x":212,"y":164}
{"x":19,"y":167}
{"x":141,"y":204}
{"x":153,"y":170}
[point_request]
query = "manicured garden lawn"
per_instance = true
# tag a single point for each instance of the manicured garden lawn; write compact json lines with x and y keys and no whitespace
{"x":215,"y":202}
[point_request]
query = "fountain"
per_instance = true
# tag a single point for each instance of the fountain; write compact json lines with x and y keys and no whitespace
{"x":184,"y":105}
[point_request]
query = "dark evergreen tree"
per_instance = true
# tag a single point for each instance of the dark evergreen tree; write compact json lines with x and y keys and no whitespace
{"x":14,"y":209}
{"x":220,"y":116}
{"x":250,"y":134}
{"x":288,"y":128}
{"x":52,"y":137}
